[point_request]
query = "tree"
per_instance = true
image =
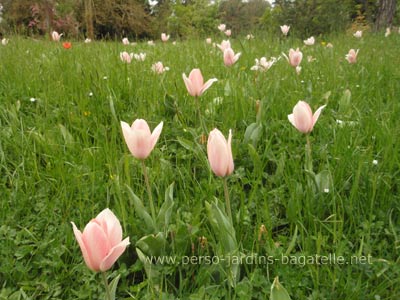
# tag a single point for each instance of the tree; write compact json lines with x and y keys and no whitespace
{"x":110,"y":18}
{"x":89,"y":18}
{"x":386,"y":13}
{"x":310,"y":17}
{"x":242,"y":16}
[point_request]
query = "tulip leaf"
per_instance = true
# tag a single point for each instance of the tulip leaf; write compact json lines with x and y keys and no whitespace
{"x":170,"y":105}
{"x":113,"y":286}
{"x":324,"y":181}
{"x":344,"y":102}
{"x":112,"y":108}
{"x":227,"y":89}
{"x":193,"y":147}
{"x":327,"y":95}
{"x":278,"y":292}
{"x":67,"y":136}
{"x":141,"y":210}
{"x":292,"y":242}
{"x":253,"y":133}
{"x":166,"y":209}
{"x":255,"y":157}
{"x":225,"y":234}
{"x":222,"y":226}
{"x":152,"y":244}
{"x":151,"y":270}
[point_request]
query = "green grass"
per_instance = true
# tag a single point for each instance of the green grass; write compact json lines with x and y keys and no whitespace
{"x":63,"y":158}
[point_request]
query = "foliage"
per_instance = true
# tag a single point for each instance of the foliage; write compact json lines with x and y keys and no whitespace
{"x":63,"y":159}
{"x":40,"y":17}
{"x":137,"y":19}
{"x":114,"y":18}
{"x":310,"y":17}
{"x":196,"y":18}
{"x":242,"y":17}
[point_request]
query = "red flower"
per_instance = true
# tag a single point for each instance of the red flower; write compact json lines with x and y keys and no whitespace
{"x":67,"y":45}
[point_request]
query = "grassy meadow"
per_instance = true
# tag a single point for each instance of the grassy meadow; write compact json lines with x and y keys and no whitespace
{"x":63,"y":158}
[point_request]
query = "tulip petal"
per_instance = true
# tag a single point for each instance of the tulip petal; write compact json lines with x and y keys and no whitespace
{"x":141,"y":144}
{"x":140,"y":124}
{"x":317,"y":113}
{"x":127,"y":132}
{"x":236,"y":57}
{"x":285,"y":56}
{"x":217,"y":152}
{"x":303,"y":117}
{"x":97,"y":244}
{"x":207,"y":85}
{"x":196,"y":78}
{"x":111,"y":226}
{"x":85,"y":254}
{"x":189,"y":85}
{"x":156,"y":134}
{"x":114,"y":254}
{"x":291,"y":119}
{"x":231,"y":165}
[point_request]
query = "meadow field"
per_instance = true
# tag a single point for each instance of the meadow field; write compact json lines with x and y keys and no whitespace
{"x":321,"y":211}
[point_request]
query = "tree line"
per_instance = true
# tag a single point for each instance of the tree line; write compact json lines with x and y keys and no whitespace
{"x":146,"y":19}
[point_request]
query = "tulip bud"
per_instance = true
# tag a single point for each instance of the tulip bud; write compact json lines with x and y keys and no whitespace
{"x":262,"y":231}
{"x":302,"y":117}
{"x":219,"y":153}
{"x":257,"y":106}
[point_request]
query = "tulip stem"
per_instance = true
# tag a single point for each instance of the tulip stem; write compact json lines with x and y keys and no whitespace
{"x":196,"y":99}
{"x":126,"y":74}
{"x":308,"y":155}
{"x":227,"y":200}
{"x":146,"y":179}
{"x":108,"y":292}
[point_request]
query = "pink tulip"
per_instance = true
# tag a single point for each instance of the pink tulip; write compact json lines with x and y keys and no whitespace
{"x":221,"y":27}
{"x":224,"y":45}
{"x":140,"y":57}
{"x":56,"y":36}
{"x":352,"y":56}
{"x":228,"y":32}
{"x":159,"y":68}
{"x":285,"y":29}
{"x":387,"y":32}
{"x":358,"y":34}
{"x":125,"y":41}
{"x":302,"y":117}
{"x":195,"y":83}
{"x":295,"y":57}
{"x":126,"y":57}
{"x":310,"y":41}
{"x":263,"y":64}
{"x":139,"y":139}
{"x":230,"y":57}
{"x":219,"y":153}
{"x":101,"y":241}
{"x":249,"y":36}
{"x":164,"y":37}
{"x":208,"y":40}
